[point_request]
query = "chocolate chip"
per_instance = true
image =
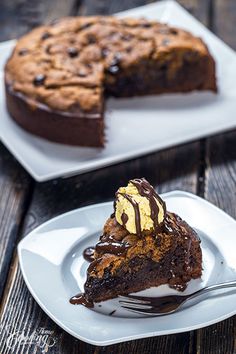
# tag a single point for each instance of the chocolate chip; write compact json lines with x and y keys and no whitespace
{"x":116,"y":59}
{"x":39,"y":80}
{"x":173,"y":31}
{"x":73,"y":52}
{"x":86,"y":25}
{"x":23,"y":51}
{"x":129,"y":49}
{"x":165,"y":42}
{"x":91,"y":39}
{"x":105,"y":52}
{"x":146,"y":25}
{"x":45,"y":35}
{"x":113,"y":69}
{"x":88,"y":65}
{"x":114,"y":65}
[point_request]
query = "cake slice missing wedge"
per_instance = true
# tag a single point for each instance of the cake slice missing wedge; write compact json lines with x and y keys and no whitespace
{"x":59,"y":75}
{"x":142,"y":246}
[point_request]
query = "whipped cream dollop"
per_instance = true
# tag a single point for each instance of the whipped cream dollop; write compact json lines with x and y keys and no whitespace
{"x":139,"y":208}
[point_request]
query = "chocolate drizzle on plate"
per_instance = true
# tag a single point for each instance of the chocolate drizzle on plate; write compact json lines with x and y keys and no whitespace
{"x":88,"y":254}
{"x":80,"y":299}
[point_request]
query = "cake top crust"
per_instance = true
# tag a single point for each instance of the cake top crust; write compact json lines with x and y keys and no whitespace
{"x":67,"y":64}
{"x":117,"y":245}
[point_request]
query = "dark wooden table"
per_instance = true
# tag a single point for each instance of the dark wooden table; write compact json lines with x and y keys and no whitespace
{"x":206,"y":167}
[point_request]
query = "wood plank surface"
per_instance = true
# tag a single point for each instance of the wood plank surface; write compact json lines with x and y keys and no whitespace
{"x":199,"y":8}
{"x":224,"y":21}
{"x":18,"y":16}
{"x":106,"y":7}
{"x":200,"y":167}
{"x":220,"y":189}
{"x":220,"y":183}
{"x":15,"y":188}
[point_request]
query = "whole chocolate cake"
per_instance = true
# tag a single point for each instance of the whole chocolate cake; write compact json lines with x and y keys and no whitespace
{"x":142,"y":246}
{"x":58,"y":75}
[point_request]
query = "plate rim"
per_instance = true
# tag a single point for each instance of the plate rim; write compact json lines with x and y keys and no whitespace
{"x":174,"y":193}
{"x":138,"y":152}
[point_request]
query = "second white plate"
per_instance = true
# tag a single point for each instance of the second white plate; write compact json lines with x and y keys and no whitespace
{"x":54,"y":270}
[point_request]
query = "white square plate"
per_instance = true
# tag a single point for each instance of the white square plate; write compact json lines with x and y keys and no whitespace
{"x":54,"y":270}
{"x":134,"y":126}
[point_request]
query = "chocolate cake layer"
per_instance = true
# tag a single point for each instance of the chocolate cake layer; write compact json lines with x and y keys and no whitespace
{"x":125,"y":263}
{"x":62,"y":127}
{"x":58,"y":75}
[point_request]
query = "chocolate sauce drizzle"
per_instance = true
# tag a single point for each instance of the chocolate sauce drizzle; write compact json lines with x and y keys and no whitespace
{"x":187,"y":256}
{"x":112,"y":247}
{"x":124,"y":218}
{"x":168,"y":228}
{"x":88,"y":254}
{"x":80,"y":299}
{"x":147,"y":191}
{"x":136,"y":212}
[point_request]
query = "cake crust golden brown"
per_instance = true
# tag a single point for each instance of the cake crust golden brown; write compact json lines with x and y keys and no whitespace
{"x":58,"y":75}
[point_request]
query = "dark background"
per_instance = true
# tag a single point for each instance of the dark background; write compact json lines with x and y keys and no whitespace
{"x":206,"y":167}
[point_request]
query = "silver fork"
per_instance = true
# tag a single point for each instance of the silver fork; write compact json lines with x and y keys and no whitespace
{"x":159,"y":306}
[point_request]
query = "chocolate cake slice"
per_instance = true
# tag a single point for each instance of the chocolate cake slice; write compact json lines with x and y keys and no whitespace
{"x":142,"y":246}
{"x":59,"y":75}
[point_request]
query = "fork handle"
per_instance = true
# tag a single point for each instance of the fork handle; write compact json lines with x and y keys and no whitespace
{"x":230,"y":284}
